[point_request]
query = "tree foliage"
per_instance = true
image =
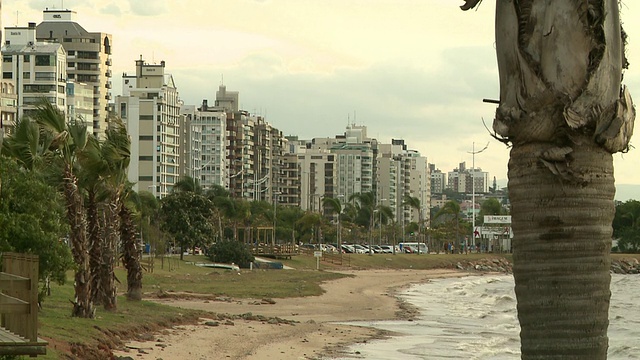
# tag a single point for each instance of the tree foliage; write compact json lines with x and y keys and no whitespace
{"x":187,"y":216}
{"x":32,"y":220}
{"x":230,"y":251}
{"x":626,"y":226}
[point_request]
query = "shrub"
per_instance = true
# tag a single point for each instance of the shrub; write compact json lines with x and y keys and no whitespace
{"x":231,"y":251}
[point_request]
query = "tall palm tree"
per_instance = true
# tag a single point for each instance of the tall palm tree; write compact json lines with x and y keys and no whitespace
{"x":188,"y":183}
{"x":91,"y":181}
{"x":131,"y":252}
{"x":414,"y":203}
{"x":67,"y":141}
{"x":565,"y":112}
{"x":117,"y":153}
{"x":383,"y":213}
{"x":334,"y":205}
{"x":367,"y":203}
{"x":451,"y":210}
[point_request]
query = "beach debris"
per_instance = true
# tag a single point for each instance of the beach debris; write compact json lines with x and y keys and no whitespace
{"x":212,"y":323}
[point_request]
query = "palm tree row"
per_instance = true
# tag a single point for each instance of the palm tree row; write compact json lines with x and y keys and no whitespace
{"x":92,"y":177}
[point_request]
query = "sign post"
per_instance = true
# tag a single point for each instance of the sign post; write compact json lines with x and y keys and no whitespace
{"x":318,"y":255}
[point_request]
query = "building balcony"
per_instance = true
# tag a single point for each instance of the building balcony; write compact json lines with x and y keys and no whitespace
{"x":108,"y":85}
{"x":108,"y":74}
{"x":108,"y":62}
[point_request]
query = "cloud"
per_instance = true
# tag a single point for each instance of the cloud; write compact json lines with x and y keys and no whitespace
{"x":149,"y":8}
{"x":111,"y":9}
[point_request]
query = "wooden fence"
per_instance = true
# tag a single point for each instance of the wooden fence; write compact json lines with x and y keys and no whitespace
{"x":19,"y":306}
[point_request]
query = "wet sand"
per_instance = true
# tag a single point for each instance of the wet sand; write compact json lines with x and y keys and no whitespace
{"x":293,"y":328}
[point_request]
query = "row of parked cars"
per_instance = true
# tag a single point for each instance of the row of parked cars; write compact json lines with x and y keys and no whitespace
{"x":409,"y":248}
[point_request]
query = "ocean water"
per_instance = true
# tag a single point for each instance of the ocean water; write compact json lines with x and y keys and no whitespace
{"x":475,"y":318}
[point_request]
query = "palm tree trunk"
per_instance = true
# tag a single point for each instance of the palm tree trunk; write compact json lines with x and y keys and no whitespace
{"x":561,"y":253}
{"x":95,"y":247}
{"x":564,"y":110}
{"x":131,"y":255}
{"x":82,"y":304}
{"x":112,"y":237}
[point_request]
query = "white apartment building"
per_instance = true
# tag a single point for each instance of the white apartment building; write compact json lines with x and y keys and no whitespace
{"x":317,"y":168}
{"x":150,"y":107}
{"x":417,"y":183}
{"x":80,"y":103}
{"x":37,"y":69}
{"x":206,"y":144}
{"x":88,"y":59}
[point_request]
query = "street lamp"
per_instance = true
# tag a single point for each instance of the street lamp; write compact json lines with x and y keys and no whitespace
{"x":473,"y":193}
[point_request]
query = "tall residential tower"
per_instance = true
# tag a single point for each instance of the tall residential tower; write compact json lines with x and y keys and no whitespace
{"x":88,"y":59}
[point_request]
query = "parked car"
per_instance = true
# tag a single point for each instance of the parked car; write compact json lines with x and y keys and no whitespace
{"x":348,"y":249}
{"x":359,"y":249}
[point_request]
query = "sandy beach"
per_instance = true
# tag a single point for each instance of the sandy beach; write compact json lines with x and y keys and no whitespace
{"x":293,"y":328}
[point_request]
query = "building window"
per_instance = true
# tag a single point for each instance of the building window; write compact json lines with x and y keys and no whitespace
{"x":26,"y":75}
{"x":123,"y":110}
{"x":146,"y":117}
{"x":45,"y":76}
{"x":38,"y":88}
{"x":146,"y":137}
{"x":145,"y":178}
{"x":7,"y":75}
{"x":7,"y":58}
{"x":45,"y":60}
{"x":145,"y":158}
{"x":71,"y":53}
{"x":27,"y":58}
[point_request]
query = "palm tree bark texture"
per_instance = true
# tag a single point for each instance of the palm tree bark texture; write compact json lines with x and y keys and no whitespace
{"x":564,"y":111}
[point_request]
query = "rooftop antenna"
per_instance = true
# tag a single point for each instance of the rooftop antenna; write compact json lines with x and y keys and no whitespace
{"x":17,"y":18}
{"x":221,"y":79}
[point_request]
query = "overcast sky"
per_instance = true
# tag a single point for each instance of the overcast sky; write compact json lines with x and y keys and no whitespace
{"x":407,"y":69}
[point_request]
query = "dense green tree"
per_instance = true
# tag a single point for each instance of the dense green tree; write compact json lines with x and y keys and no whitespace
{"x":490,"y":206}
{"x":229,"y":251}
{"x":288,"y":217}
{"x":450,"y":215}
{"x":626,"y":226}
{"x":187,"y":216}
{"x":32,"y":220}
{"x":309,"y":225}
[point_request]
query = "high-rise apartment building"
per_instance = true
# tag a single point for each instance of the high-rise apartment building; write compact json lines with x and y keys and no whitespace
{"x":438,"y":180}
{"x":150,"y":107}
{"x":80,"y":103}
{"x":463,"y":180}
{"x":206,"y":144}
{"x":8,"y":97}
{"x":88,"y":59}
{"x":37,"y":69}
{"x":402,"y":172}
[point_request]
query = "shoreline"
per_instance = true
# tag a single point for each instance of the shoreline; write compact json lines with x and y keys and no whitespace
{"x":289,"y":328}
